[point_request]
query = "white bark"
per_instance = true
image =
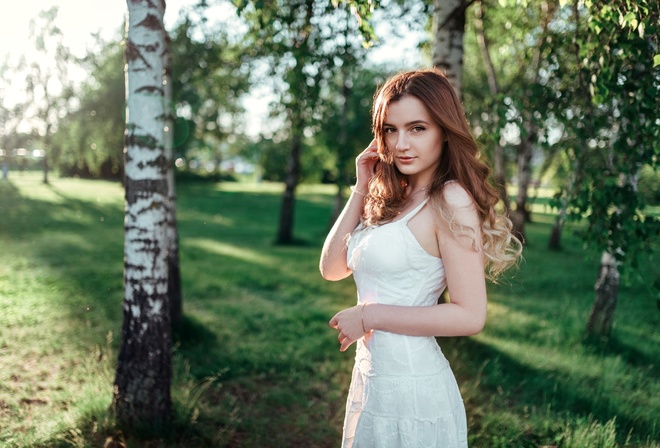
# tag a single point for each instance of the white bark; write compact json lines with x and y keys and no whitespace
{"x":601,"y":317}
{"x":142,"y":383}
{"x":145,"y":167}
{"x":448,"y":30}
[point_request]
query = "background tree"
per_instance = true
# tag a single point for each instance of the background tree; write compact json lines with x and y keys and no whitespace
{"x":507,"y":93}
{"x":499,"y":158}
{"x":296,"y":40}
{"x":47,"y":79}
{"x":89,"y":140}
{"x":618,"y":45}
{"x":448,"y":30}
{"x":346,"y":123}
{"x":144,"y":367}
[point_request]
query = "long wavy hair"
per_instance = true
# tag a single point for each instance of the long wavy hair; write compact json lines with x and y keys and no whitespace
{"x":460,"y":162}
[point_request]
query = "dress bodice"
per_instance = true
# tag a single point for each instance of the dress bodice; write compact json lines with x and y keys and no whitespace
{"x":391,"y":267}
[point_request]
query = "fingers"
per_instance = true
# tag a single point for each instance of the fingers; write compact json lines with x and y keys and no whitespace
{"x":348,"y":327}
{"x":365,"y":163}
{"x":371,"y":149}
{"x":344,"y":342}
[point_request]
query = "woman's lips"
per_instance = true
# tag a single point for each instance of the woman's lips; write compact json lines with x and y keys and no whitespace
{"x":406,"y":159}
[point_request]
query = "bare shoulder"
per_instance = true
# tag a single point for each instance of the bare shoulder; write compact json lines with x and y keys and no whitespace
{"x":456,"y":196}
{"x":460,"y":204}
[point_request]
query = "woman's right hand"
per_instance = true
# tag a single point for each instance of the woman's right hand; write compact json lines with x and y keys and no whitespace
{"x":364,"y":166}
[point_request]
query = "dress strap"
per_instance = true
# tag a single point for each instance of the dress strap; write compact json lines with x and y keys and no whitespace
{"x":413,"y":212}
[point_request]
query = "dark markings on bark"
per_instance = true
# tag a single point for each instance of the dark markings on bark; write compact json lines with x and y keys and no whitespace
{"x":143,"y":188}
{"x":142,"y":141}
{"x":133,"y":54}
{"x":151,"y":22}
{"x":145,"y":391}
{"x":150,"y":89}
{"x":607,"y":290}
{"x":133,"y":217}
{"x":159,"y":162}
{"x":456,"y":14}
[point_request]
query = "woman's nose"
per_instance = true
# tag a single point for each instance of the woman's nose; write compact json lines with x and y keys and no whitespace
{"x":402,"y":142}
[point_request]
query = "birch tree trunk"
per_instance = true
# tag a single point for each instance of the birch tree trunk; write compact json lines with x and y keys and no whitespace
{"x":448,"y":30}
{"x":601,"y":317}
{"x":607,"y":291}
{"x":173,"y":267}
{"x":142,"y":381}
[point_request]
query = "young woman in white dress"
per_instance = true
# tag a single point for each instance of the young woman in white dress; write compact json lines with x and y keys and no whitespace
{"x":421,"y":218}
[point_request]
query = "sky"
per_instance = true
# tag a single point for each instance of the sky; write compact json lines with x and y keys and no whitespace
{"x":78,"y":19}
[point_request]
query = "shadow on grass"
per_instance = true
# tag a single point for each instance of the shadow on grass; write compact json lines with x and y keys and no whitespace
{"x":266,"y":308}
{"x":256,"y":319}
{"x":614,"y":346}
{"x":506,"y":383}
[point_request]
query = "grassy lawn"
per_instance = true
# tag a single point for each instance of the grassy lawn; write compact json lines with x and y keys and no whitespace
{"x":255,"y":364}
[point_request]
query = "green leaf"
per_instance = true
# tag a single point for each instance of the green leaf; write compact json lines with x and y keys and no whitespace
{"x":656,"y":60}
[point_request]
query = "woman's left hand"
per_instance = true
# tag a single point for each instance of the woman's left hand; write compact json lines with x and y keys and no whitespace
{"x":349,"y":324}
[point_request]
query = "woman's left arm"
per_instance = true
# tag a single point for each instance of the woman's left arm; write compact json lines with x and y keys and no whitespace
{"x":465,"y":315}
{"x":464,"y":270}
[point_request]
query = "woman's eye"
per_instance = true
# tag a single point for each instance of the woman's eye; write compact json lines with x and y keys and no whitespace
{"x":417,"y":129}
{"x":389,"y":130}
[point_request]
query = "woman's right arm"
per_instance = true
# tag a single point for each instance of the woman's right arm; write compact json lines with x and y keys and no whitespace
{"x":333,"y":264}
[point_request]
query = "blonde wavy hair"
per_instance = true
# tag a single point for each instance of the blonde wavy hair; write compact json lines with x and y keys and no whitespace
{"x":460,"y":162}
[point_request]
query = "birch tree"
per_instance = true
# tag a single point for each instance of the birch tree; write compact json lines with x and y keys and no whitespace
{"x":619,"y":46}
{"x":499,"y":159}
{"x":296,"y":38}
{"x":142,"y":382}
{"x":47,"y":79}
{"x":448,"y":30}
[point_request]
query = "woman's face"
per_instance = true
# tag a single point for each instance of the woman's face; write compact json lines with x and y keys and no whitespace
{"x":413,"y":139}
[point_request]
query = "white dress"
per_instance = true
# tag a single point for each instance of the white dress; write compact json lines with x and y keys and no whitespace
{"x":403,"y":393}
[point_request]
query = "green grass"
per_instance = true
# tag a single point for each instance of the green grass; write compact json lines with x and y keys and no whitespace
{"x":255,"y":364}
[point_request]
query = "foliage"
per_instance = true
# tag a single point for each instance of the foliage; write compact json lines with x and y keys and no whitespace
{"x":363,"y":11}
{"x":649,"y":185}
{"x":524,"y":99}
{"x":210,"y":77}
{"x":361,"y":82}
{"x":47,"y":85}
{"x":90,"y":140}
{"x":617,"y":44}
{"x":207,"y":102}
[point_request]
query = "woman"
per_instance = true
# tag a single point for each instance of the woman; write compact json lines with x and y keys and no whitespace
{"x":421,"y":218}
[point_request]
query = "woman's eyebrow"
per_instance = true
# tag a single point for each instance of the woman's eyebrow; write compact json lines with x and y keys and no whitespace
{"x":410,"y":123}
